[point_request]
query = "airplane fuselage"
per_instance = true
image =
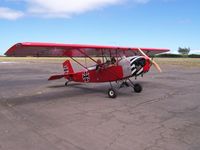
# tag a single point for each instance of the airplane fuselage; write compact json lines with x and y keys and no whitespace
{"x":125,"y":68}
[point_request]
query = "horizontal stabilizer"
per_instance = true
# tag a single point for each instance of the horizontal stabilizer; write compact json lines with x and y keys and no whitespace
{"x":56,"y":77}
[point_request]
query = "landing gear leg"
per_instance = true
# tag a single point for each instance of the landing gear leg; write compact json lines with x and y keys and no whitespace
{"x":124,"y":84}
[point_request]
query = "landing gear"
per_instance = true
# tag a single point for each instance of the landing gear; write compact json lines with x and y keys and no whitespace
{"x":66,"y":83}
{"x":137,"y":88}
{"x":112,"y":93}
{"x":124,"y":84}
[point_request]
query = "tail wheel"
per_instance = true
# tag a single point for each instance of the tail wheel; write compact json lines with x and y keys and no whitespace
{"x":66,"y":83}
{"x":137,"y":88}
{"x":112,"y":93}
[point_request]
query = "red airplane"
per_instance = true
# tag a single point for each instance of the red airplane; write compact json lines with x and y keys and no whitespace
{"x":112,"y":64}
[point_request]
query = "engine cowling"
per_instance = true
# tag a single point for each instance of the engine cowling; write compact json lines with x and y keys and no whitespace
{"x":135,"y":65}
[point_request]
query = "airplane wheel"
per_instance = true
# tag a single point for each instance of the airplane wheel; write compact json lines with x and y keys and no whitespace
{"x":66,"y":83}
{"x":112,"y":93}
{"x":137,"y":88}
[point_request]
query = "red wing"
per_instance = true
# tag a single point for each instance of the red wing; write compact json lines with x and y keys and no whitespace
{"x":75,"y":50}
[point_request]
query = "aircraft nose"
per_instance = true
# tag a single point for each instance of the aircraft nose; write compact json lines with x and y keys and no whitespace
{"x":152,"y":61}
{"x":147,"y":65}
{"x":143,"y":62}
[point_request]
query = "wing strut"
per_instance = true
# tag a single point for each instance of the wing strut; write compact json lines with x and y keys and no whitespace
{"x":87,"y":55}
{"x":79,"y":63}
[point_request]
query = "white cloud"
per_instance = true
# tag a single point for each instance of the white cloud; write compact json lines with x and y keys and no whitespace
{"x":66,"y":8}
{"x":61,"y":8}
{"x":7,"y":13}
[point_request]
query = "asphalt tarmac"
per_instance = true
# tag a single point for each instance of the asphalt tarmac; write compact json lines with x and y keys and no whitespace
{"x":36,"y":114}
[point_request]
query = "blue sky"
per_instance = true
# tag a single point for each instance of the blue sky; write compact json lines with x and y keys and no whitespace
{"x":136,"y":23}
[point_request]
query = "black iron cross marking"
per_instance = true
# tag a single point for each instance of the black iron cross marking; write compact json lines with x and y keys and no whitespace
{"x":66,"y":70}
{"x":86,"y":77}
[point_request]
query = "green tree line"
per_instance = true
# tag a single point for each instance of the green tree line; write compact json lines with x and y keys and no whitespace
{"x":183,"y":52}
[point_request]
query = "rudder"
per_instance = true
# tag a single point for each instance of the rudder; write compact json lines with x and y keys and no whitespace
{"x":68,"y":67}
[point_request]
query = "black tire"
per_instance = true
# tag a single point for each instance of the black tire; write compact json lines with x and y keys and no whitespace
{"x":112,"y":93}
{"x":137,"y":88}
{"x":66,"y":83}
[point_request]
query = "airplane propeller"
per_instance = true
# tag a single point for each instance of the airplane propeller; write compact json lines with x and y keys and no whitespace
{"x":151,"y":60}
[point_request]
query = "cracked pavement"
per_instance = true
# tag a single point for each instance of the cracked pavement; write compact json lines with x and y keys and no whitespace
{"x":37,"y":115}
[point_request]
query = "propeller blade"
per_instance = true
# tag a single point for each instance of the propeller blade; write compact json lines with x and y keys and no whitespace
{"x":152,"y":61}
{"x":156,"y":66}
{"x":143,"y":53}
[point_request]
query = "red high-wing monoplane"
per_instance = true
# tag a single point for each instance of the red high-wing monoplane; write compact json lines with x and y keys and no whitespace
{"x":113,"y":64}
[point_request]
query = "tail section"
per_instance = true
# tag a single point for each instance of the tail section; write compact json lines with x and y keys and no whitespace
{"x":68,"y":72}
{"x":68,"y":67}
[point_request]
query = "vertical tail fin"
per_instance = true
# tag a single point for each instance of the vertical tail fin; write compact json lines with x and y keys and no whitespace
{"x":67,"y":67}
